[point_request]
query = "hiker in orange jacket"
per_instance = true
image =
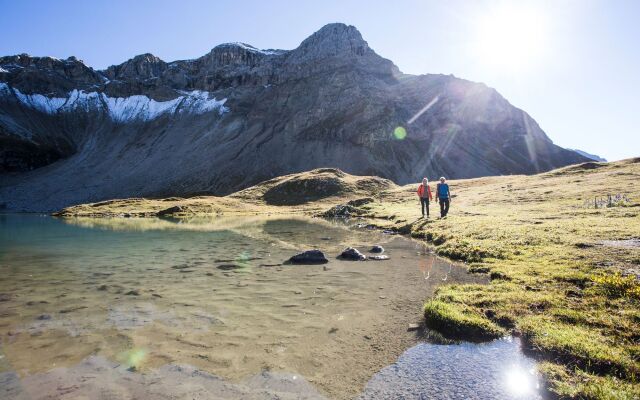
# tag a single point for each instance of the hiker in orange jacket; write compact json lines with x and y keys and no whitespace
{"x":424,"y":192}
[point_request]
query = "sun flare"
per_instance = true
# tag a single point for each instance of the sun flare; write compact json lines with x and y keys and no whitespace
{"x":511,"y":38}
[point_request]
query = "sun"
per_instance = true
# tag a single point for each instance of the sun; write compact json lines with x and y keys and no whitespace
{"x":511,"y":37}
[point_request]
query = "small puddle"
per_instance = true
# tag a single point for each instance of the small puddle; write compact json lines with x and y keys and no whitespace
{"x":496,"y":370}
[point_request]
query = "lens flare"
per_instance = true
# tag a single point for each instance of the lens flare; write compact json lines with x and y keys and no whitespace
{"x":512,"y":37}
{"x":400,"y":133}
{"x":520,"y":382}
{"x":133,"y":358}
{"x":423,"y":110}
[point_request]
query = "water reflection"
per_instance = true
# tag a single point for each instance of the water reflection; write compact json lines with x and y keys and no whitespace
{"x":496,"y":370}
{"x":521,"y":382}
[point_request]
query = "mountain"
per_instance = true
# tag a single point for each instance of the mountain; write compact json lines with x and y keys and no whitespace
{"x":590,"y":156}
{"x":240,"y":115}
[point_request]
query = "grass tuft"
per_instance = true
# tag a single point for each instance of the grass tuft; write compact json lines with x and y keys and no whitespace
{"x":617,"y":285}
{"x":458,"y":321}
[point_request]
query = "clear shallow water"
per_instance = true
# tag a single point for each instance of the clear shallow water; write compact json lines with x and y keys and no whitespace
{"x":495,"y":370}
{"x":204,"y":307}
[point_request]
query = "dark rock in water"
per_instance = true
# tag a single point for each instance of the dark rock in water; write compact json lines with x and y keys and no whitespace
{"x":72,"y":309}
{"x":5,"y":297}
{"x":377,"y":249}
{"x":352,"y":254}
{"x":379,"y":257}
{"x":309,"y":257}
{"x":342,"y":211}
{"x":133,"y":293}
{"x":170,"y":211}
{"x":230,"y":267}
{"x":44,"y":317}
{"x":102,"y":287}
{"x":156,"y":295}
{"x":360,"y":202}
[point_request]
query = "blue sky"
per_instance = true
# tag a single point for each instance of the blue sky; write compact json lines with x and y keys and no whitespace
{"x":577,"y":72}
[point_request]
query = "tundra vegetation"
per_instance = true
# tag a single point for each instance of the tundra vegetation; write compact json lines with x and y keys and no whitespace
{"x":564,"y":265}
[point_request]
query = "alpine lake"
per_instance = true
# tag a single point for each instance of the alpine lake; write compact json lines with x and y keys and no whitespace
{"x":128,"y":308}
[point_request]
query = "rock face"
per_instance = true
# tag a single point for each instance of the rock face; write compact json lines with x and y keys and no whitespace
{"x":239,"y":115}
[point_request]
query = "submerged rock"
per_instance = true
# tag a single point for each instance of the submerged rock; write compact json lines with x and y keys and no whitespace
{"x":309,"y":257}
{"x":230,"y":267}
{"x":379,"y":257}
{"x":170,"y":211}
{"x":413,"y":327}
{"x":377,"y":249}
{"x":352,"y":254}
{"x":341,"y":210}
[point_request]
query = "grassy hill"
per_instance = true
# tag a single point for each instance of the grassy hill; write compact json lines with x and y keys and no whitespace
{"x":563,"y":257}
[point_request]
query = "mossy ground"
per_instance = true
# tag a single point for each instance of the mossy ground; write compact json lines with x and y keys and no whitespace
{"x":574,"y":298}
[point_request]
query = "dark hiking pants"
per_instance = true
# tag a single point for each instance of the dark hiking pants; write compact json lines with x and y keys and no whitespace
{"x":444,"y":207}
{"x":424,"y":202}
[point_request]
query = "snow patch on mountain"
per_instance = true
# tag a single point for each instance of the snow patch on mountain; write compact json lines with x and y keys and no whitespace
{"x":120,"y":109}
{"x":248,"y":47}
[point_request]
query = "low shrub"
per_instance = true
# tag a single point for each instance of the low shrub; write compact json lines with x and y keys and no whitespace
{"x":617,"y":285}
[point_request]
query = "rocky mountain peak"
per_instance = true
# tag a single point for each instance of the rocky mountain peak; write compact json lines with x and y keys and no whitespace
{"x":142,"y":66}
{"x":47,"y":74}
{"x":237,"y":54}
{"x":334,"y":40}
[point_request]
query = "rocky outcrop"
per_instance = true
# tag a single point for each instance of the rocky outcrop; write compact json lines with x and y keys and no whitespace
{"x":240,"y":115}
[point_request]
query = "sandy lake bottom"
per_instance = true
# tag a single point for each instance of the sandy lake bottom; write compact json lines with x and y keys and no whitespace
{"x":150,"y":308}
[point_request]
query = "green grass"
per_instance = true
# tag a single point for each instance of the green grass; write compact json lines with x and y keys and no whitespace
{"x":579,"y":384}
{"x":578,"y":345}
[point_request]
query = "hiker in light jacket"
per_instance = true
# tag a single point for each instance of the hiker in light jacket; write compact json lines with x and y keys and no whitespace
{"x":424,"y":193}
